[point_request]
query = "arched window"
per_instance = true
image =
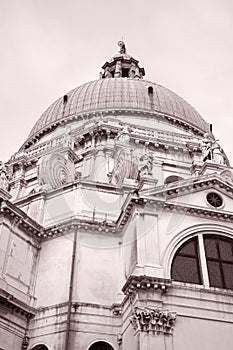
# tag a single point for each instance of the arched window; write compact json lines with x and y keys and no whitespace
{"x":101,"y":345}
{"x":40,"y":347}
{"x":205,"y":259}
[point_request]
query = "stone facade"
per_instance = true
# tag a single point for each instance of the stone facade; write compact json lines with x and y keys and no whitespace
{"x":114,"y":179}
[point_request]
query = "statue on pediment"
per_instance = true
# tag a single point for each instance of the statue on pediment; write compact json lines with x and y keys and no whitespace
{"x":211,"y":150}
{"x":146,"y":164}
{"x":4,"y":182}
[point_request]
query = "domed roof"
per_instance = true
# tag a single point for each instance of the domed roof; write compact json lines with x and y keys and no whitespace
{"x":117,"y":94}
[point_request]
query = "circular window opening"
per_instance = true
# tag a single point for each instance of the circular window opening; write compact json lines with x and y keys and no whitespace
{"x":214,"y":199}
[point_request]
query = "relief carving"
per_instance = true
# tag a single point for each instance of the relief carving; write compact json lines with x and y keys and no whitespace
{"x":156,"y":320}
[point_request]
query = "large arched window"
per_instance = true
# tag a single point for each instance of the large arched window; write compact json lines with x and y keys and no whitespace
{"x":101,"y":345}
{"x":205,"y":259}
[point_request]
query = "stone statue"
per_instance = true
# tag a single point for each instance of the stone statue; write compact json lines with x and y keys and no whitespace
{"x":137,"y":73}
{"x":211,"y":150}
{"x":124,"y":134}
{"x":132,"y":70}
{"x":227,"y":175}
{"x":125,"y":166}
{"x":217,"y":154}
{"x":122,"y":47}
{"x":4,"y":182}
{"x":206,"y":144}
{"x":107,"y":73}
{"x":118,"y":70}
{"x":146,"y":164}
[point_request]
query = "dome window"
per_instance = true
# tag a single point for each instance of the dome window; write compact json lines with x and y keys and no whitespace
{"x":150,"y":90}
{"x":65,"y":99}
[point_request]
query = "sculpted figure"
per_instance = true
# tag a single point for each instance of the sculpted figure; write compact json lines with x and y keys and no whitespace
{"x":122,"y":47}
{"x":132,"y":70}
{"x":124,"y":134}
{"x":146,"y":164}
{"x":3,"y":177}
{"x":227,"y":175}
{"x":217,"y":154}
{"x":206,"y":144}
{"x":118,"y":70}
{"x":211,"y":150}
{"x":107,"y":73}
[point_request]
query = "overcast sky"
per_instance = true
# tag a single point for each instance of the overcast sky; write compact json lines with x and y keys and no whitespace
{"x":49,"y":47}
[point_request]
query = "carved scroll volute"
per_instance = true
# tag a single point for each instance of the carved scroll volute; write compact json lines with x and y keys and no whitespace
{"x":54,"y":170}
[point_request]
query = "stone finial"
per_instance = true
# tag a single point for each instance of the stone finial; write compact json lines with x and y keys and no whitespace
{"x":153,"y":320}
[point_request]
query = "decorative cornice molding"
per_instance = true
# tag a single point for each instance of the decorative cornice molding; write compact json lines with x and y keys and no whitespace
{"x":145,"y":283}
{"x":9,"y":302}
{"x":155,"y":320}
{"x":21,"y":219}
{"x":159,"y":197}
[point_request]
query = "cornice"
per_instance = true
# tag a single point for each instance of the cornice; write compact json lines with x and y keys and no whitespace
{"x":21,"y":219}
{"x":13,"y":304}
{"x":135,"y":284}
{"x":76,"y":223}
{"x":159,"y":198}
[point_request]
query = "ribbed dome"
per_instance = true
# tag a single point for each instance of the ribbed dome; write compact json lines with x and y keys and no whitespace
{"x":117,"y":94}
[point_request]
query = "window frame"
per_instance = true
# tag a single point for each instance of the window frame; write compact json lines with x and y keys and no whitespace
{"x":202,"y":256}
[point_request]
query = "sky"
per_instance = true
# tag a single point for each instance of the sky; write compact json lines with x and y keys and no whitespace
{"x":49,"y":47}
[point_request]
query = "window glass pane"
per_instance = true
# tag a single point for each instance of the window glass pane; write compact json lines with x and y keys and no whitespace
{"x":215,"y":274}
{"x":189,"y":248}
{"x":211,"y":247}
{"x":228,"y":275}
{"x":186,"y":269}
{"x":226,"y":250}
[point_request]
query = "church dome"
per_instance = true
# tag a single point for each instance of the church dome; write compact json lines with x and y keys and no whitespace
{"x":117,"y":94}
{"x":120,"y":88}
